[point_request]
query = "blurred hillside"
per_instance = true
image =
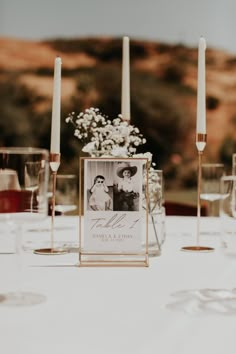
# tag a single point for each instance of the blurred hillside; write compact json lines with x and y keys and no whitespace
{"x":163,"y":97}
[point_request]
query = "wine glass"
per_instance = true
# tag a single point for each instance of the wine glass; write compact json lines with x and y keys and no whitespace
{"x":66,"y":200}
{"x":66,"y":194}
{"x":234,"y":164}
{"x":23,"y":200}
{"x":210,"y":186}
{"x":228,"y":215}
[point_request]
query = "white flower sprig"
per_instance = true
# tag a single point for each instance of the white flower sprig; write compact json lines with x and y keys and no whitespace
{"x":110,"y":137}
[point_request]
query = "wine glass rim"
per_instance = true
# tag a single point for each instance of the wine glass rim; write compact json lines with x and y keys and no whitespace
{"x":66,"y":175}
{"x":23,"y":150}
{"x":229,"y":178}
{"x":217,"y":164}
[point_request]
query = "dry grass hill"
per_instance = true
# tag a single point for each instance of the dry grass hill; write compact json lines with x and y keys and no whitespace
{"x":163,"y":96}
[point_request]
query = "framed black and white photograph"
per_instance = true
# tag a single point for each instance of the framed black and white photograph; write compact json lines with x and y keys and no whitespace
{"x":127,"y":190}
{"x":99,"y":186}
{"x":114,"y":220}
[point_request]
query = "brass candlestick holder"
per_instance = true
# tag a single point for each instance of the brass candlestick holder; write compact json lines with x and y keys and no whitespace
{"x":200,"y":143}
{"x":54,"y":166}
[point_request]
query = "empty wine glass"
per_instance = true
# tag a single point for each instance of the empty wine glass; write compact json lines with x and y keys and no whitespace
{"x":66,"y":194}
{"x":210,"y":186}
{"x":228,"y":215}
{"x":66,"y":200}
{"x":23,"y":199}
{"x":234,"y":164}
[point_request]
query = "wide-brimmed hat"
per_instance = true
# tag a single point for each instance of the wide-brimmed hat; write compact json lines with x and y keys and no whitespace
{"x":126,"y":166}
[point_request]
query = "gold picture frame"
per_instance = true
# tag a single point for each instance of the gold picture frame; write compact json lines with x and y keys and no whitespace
{"x":113,"y":212}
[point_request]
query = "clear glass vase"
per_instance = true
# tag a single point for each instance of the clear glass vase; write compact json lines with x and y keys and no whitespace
{"x":156,"y":212}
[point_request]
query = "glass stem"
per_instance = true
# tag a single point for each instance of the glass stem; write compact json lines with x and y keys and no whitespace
{"x":211,"y":208}
{"x":19,"y":256}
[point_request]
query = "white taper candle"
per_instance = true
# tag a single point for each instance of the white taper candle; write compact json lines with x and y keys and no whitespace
{"x":56,"y":108}
{"x":125,"y":91}
{"x":201,"y":88}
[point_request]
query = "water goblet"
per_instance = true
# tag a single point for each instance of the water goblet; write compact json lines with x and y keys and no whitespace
{"x":23,"y":200}
{"x":210,"y":186}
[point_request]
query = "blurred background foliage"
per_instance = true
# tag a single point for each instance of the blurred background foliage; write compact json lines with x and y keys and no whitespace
{"x":162,"y":104}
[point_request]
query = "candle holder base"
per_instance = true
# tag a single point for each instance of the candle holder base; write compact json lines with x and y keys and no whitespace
{"x":50,"y":251}
{"x":197,"y":249}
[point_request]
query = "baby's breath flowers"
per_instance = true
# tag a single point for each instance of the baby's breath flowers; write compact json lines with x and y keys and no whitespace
{"x":104,"y":136}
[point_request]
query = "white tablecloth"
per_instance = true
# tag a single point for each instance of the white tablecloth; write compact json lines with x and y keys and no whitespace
{"x":121,"y":310}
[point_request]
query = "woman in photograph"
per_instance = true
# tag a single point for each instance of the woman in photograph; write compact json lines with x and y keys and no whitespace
{"x":126,"y":193}
{"x":100,"y":199}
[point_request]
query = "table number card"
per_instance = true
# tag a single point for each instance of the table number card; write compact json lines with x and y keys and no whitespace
{"x":113,"y":212}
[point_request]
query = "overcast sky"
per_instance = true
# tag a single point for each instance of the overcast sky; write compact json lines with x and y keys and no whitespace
{"x":171,"y":21}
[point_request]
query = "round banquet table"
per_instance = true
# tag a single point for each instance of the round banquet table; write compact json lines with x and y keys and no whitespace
{"x":122,"y":310}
